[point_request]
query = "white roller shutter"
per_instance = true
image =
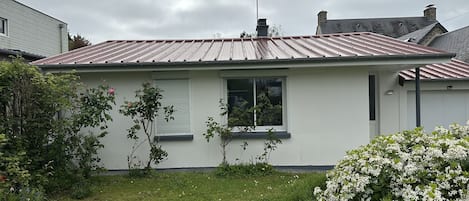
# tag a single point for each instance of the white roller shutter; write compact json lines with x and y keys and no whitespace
{"x":176,"y":93}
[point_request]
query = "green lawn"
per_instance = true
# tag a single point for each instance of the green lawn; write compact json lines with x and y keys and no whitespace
{"x":204,"y":186}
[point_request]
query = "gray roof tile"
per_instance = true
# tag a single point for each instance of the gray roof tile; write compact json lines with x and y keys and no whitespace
{"x":456,"y":41}
{"x":393,"y":27}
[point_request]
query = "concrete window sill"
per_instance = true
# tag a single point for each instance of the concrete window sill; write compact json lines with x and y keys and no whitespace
{"x":170,"y":138}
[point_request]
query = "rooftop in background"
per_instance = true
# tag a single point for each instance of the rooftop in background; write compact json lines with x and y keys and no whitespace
{"x":393,"y":27}
{"x":239,"y":50}
{"x":6,"y":54}
{"x":424,"y":36}
{"x":455,"y":41}
{"x":454,"y":70}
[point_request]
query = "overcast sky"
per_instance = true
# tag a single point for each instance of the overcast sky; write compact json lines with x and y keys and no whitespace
{"x":100,"y":20}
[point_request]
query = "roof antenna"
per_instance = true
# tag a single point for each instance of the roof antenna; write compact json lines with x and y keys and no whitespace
{"x":257,"y":10}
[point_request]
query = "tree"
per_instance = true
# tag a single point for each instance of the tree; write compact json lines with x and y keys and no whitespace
{"x":77,"y":41}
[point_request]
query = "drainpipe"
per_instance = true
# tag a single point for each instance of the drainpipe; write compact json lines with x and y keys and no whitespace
{"x":61,"y":27}
{"x":417,"y":97}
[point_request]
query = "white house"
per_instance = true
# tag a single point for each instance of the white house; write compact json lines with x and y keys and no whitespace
{"x":29,"y":32}
{"x":444,"y":87}
{"x":321,"y":83}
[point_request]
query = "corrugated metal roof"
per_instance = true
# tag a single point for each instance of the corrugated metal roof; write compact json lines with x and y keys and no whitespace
{"x":453,"y":70}
{"x":351,"y":45}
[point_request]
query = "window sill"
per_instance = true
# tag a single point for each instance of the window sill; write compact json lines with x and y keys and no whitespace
{"x":260,"y":135}
{"x":169,"y":138}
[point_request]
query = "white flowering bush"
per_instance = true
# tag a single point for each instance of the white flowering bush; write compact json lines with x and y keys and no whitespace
{"x":411,"y":165}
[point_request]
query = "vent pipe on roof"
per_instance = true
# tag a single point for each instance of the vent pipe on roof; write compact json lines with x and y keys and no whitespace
{"x":430,"y":13}
{"x":262,"y":27}
{"x":322,"y":17}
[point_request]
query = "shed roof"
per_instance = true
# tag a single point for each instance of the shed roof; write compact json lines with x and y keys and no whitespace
{"x":453,"y":70}
{"x":239,"y":50}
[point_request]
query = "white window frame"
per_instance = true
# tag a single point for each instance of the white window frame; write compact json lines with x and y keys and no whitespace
{"x":4,"y":21}
{"x":258,"y":74}
{"x":175,"y":76}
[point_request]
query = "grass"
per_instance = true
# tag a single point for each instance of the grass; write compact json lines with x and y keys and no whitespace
{"x":204,"y":186}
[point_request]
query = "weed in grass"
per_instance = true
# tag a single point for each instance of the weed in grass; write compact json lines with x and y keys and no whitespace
{"x":244,"y":170}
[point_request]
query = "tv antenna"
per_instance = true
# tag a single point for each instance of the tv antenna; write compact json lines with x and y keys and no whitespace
{"x":257,"y":10}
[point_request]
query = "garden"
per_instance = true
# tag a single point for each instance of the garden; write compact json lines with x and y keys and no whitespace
{"x":47,"y":152}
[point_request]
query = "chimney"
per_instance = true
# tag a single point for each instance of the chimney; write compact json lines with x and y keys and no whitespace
{"x":430,"y":13}
{"x":262,"y":27}
{"x":322,"y":17}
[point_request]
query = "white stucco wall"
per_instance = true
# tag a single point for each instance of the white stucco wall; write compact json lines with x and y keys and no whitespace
{"x":326,"y":114}
{"x":32,"y":31}
{"x":388,"y":104}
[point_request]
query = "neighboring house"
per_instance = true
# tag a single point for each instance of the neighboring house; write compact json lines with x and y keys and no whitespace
{"x":320,"y":82}
{"x":445,"y":87}
{"x":30,"y":33}
{"x":394,"y":27}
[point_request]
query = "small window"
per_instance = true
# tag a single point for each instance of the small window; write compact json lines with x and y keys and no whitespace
{"x":175,"y":93}
{"x":256,"y":102}
{"x":372,"y":96}
{"x":3,"y":26}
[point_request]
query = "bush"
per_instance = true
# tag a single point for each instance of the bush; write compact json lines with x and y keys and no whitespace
{"x":244,"y":170}
{"x":29,"y":194}
{"x":410,"y":165}
{"x":42,"y":116}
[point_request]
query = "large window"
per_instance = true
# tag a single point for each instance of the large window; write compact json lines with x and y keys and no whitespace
{"x":3,"y":26}
{"x":176,"y":93}
{"x":256,"y":102}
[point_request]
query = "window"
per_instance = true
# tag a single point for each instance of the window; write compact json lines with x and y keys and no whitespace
{"x":256,"y":102}
{"x":3,"y":26}
{"x":176,"y":93}
{"x":372,"y":96}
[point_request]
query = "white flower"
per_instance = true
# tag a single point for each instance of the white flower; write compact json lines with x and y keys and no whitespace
{"x":414,"y":166}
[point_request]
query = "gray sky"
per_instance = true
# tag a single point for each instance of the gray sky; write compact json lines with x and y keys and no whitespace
{"x":100,"y":20}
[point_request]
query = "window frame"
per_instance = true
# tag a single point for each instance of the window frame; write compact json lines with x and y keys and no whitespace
{"x":282,"y":127}
{"x":4,"y":23}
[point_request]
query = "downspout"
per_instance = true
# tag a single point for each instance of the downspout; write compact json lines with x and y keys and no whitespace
{"x":417,"y":97}
{"x":61,"y":27}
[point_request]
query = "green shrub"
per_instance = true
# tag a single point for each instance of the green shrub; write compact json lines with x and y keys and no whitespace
{"x":244,"y":170}
{"x":42,"y":115}
{"x":411,"y":165}
{"x":29,"y":194}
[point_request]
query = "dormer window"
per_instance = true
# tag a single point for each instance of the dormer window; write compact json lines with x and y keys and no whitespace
{"x":3,"y":27}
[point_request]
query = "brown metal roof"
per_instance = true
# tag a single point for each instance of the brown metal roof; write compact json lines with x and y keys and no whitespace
{"x":349,"y":45}
{"x":453,"y":70}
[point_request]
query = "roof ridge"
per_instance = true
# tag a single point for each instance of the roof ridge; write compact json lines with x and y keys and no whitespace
{"x":235,"y":39}
{"x":379,"y":18}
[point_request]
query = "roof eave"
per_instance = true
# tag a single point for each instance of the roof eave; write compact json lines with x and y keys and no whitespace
{"x":410,"y":60}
